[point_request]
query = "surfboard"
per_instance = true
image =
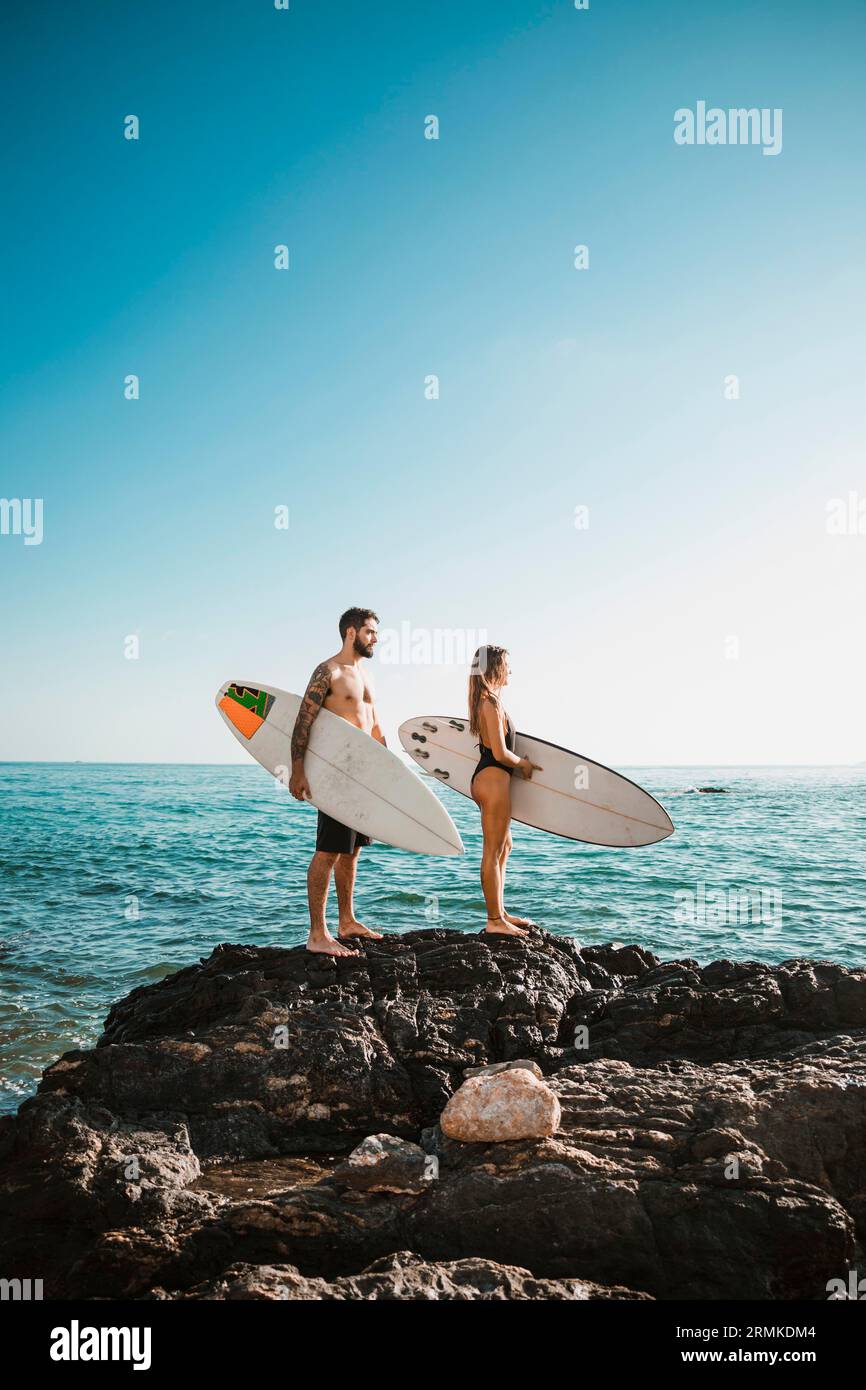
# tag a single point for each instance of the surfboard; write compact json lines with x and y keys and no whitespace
{"x":572,"y":796}
{"x":352,"y":777}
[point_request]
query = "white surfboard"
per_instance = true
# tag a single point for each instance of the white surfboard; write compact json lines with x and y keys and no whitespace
{"x":573,"y":796}
{"x":352,"y":777}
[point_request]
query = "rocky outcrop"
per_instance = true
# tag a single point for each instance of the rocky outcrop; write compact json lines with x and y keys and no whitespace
{"x":399,"y":1276}
{"x":711,"y":1142}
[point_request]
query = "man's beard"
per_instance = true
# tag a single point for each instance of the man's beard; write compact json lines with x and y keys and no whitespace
{"x":363,"y":648}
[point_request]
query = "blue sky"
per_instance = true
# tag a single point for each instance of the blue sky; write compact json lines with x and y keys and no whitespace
{"x":558,"y":388}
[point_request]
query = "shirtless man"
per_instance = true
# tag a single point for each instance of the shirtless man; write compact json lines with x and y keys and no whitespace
{"x":339,"y":685}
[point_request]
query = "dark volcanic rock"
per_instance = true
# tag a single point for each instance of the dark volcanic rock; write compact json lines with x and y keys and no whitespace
{"x":383,"y":1163}
{"x":725,"y":1010}
{"x":269,"y":1051}
{"x":712,"y":1139}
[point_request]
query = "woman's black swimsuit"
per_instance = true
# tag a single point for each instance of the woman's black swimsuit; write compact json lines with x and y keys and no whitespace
{"x":487,"y":759}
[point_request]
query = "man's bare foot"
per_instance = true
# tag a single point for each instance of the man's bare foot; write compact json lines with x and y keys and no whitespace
{"x":321,"y":943}
{"x":519,"y":921}
{"x":355,"y":928}
{"x":498,"y":926}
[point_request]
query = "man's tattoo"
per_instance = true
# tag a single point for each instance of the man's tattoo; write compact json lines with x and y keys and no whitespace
{"x":314,"y":697}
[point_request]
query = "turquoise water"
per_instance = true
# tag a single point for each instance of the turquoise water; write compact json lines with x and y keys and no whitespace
{"x":211,"y":854}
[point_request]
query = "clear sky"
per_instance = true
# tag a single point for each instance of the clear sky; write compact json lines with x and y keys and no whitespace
{"x":412,"y":257}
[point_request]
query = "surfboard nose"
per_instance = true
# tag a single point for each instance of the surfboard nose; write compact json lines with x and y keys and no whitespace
{"x":457,"y":844}
{"x":666,"y":820}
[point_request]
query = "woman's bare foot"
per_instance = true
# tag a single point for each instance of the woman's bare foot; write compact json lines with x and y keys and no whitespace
{"x":321,"y":943}
{"x":519,"y":921}
{"x":355,"y":928}
{"x":498,"y":926}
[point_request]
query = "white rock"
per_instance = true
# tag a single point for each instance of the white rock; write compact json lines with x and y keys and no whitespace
{"x":512,"y":1104}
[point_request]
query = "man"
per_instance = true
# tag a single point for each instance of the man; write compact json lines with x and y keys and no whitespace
{"x":337,"y":684}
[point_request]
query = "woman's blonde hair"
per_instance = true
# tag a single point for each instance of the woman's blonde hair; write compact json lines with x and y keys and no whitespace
{"x":486,"y":672}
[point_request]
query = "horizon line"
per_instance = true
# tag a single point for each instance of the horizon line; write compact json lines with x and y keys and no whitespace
{"x":106,"y":762}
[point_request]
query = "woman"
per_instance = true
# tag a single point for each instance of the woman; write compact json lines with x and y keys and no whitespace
{"x":491,"y":781}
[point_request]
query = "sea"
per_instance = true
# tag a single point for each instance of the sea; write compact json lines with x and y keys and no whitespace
{"x":114,"y":875}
